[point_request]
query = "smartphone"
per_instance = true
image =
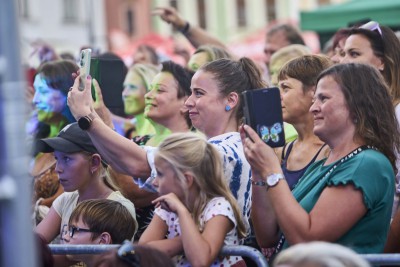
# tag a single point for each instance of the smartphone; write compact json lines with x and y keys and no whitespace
{"x":110,"y":72}
{"x":262,"y":110}
{"x":84,"y":67}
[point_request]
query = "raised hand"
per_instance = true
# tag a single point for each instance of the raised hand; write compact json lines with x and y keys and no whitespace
{"x":170,"y":202}
{"x":170,"y":15}
{"x":80,"y":102}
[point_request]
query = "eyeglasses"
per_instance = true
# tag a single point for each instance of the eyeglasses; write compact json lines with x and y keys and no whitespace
{"x":372,"y":26}
{"x":72,"y":229}
{"x":126,"y":252}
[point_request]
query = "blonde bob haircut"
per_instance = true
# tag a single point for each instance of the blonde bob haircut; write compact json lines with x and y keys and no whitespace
{"x":188,"y":152}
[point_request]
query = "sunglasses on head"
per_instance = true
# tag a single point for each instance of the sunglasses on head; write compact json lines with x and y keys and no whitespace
{"x":372,"y":26}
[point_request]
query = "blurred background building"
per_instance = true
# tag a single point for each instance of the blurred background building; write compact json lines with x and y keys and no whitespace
{"x":120,"y":25}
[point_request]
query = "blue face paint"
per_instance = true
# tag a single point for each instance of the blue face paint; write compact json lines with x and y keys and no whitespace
{"x":50,"y":103}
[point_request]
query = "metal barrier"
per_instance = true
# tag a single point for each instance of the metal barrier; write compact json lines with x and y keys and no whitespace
{"x":382,"y":259}
{"x":244,"y":251}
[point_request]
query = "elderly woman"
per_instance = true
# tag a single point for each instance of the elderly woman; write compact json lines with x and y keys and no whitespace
{"x":347,"y":197}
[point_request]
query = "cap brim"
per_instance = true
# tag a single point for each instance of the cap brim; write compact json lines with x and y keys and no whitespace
{"x":57,"y":143}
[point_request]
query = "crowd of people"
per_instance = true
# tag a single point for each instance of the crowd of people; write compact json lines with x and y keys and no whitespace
{"x":183,"y":175}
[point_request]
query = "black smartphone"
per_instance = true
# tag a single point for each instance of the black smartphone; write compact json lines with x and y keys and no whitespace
{"x":110,"y":74}
{"x":262,"y":110}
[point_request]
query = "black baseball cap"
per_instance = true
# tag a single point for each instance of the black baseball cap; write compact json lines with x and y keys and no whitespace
{"x":70,"y":139}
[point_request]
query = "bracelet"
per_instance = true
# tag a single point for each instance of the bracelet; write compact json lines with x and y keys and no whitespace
{"x":185,"y":29}
{"x":258,"y":183}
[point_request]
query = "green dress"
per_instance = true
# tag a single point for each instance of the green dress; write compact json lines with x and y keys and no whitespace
{"x":371,"y":172}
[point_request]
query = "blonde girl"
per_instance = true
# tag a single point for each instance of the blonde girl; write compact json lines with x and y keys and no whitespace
{"x":195,"y":209}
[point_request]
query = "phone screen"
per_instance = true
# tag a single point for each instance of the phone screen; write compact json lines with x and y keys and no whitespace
{"x":263,"y":112}
{"x":110,"y":74}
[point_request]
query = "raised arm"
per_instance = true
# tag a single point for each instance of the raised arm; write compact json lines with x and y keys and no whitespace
{"x":196,"y":35}
{"x":337,"y":208}
{"x":122,"y":154}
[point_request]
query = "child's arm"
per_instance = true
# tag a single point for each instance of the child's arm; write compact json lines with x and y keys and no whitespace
{"x":154,"y":236}
{"x":200,"y":249}
{"x":49,"y":227}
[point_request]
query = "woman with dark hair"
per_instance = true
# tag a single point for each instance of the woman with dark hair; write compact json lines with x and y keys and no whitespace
{"x":347,"y":197}
{"x":379,"y":47}
{"x":165,"y":107}
{"x":338,"y":41}
{"x":297,"y":83}
{"x":215,"y":109}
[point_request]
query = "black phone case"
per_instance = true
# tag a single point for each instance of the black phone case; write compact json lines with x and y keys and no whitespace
{"x":110,"y":74}
{"x":263,"y":112}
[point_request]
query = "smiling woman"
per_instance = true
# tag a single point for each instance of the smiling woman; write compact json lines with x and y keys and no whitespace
{"x":341,"y":198}
{"x":378,"y":46}
{"x":136,"y":85}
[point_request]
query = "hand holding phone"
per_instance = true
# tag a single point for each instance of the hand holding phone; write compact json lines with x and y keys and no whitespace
{"x":263,"y":112}
{"x":84,"y":67}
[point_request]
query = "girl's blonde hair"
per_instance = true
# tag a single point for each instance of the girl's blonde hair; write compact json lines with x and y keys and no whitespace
{"x":104,"y":172}
{"x":188,"y":152}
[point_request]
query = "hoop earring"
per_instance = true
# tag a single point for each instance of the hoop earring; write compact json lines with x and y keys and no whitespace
{"x":227,"y":108}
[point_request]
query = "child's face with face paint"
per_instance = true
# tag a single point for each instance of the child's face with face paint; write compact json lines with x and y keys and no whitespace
{"x":49,"y":102}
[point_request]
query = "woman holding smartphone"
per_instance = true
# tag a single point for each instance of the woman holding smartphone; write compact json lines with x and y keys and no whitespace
{"x":297,"y":81}
{"x":215,"y":109}
{"x":347,"y":197}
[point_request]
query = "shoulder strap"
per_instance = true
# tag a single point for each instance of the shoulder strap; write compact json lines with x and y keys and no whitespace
{"x":319,"y":151}
{"x":290,"y":146}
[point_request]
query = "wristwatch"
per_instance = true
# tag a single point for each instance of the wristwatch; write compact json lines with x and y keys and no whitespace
{"x":85,"y":121}
{"x":273,"y":179}
{"x":270,"y":181}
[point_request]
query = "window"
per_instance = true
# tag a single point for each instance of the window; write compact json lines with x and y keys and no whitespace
{"x":241,"y":13}
{"x":130,"y":22}
{"x":70,"y":11}
{"x":271,"y":10}
{"x":174,"y":4}
{"x":201,"y":7}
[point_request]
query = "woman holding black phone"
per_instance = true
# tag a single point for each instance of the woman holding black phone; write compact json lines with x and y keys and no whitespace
{"x":346,"y":198}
